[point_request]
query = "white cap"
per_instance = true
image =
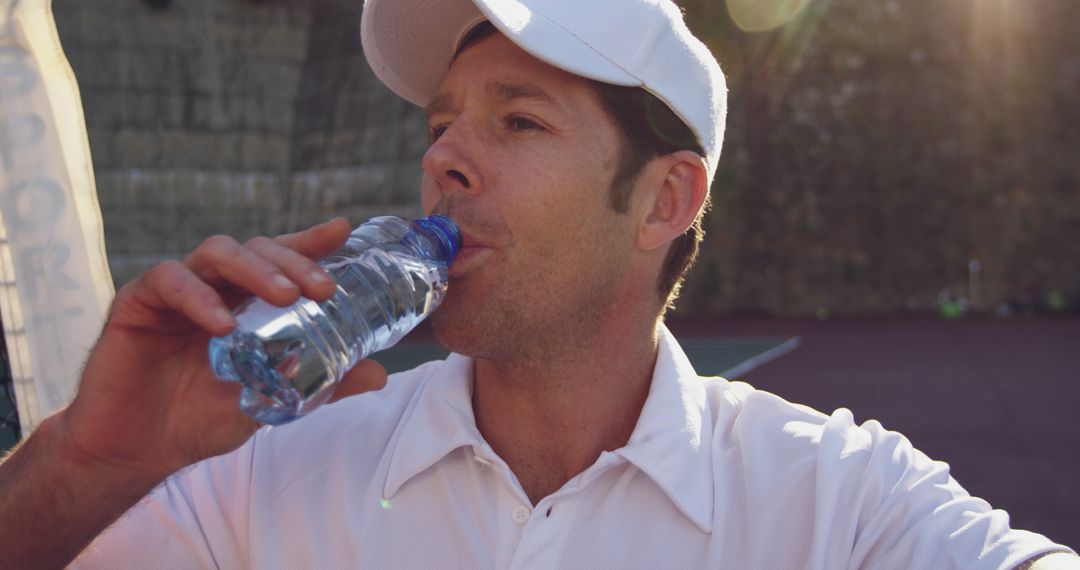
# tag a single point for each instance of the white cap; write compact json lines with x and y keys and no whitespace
{"x":639,"y":43}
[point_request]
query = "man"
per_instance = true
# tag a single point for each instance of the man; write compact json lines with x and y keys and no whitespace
{"x":569,"y":430}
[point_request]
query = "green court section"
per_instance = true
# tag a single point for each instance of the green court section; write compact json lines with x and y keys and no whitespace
{"x":409,"y":355}
{"x":734,"y":357}
{"x":728,"y":357}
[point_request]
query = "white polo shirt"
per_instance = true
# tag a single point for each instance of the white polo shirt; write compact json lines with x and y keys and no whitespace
{"x":715,"y":475}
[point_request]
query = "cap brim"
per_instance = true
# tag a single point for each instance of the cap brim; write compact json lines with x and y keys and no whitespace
{"x":409,"y":45}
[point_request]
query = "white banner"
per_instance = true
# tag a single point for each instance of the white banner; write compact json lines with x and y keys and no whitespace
{"x":56,"y":286}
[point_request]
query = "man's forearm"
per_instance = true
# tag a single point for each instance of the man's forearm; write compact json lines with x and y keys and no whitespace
{"x":54,"y":502}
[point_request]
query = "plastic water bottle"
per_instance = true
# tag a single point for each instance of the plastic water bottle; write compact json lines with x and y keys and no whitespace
{"x":390,"y":275}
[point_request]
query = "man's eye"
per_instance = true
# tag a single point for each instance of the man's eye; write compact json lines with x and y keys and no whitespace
{"x":435,"y":132}
{"x":523,"y":124}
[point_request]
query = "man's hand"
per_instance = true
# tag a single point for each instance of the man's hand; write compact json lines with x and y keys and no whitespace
{"x":148,"y":403}
{"x":148,"y":400}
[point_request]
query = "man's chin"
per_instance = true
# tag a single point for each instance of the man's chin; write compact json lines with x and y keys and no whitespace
{"x":457,"y":334}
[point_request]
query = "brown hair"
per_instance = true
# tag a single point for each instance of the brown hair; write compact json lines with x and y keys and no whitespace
{"x":649,"y":129}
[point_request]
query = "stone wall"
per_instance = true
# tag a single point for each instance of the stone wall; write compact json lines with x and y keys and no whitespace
{"x":241,"y":117}
{"x":356,"y":146}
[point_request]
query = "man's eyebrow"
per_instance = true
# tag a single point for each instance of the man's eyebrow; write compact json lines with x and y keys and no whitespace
{"x":505,"y":91}
{"x":512,"y":91}
{"x":440,"y":104}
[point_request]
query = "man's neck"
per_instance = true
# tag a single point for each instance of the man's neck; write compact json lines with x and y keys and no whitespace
{"x":550,"y":419}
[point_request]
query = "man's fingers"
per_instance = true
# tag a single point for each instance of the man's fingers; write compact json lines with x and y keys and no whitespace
{"x":172,"y":285}
{"x":366,"y":376}
{"x":277,"y":270}
{"x":315,"y":282}
{"x":318,"y":241}
{"x":220,"y":260}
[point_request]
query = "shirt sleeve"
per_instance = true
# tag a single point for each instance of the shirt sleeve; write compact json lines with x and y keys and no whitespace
{"x":903,"y":510}
{"x":198,"y":518}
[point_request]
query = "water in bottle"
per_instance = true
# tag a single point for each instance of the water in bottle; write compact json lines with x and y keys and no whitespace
{"x":390,"y":275}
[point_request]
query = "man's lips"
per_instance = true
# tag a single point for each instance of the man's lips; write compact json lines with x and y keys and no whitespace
{"x":468,"y":258}
{"x":469,"y":239}
{"x":472,"y":253}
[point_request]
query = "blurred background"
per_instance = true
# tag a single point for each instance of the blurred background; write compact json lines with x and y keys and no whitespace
{"x":899,"y":190}
{"x":882,"y":157}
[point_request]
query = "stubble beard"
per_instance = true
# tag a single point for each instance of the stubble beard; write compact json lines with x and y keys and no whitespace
{"x":555,"y":318}
{"x":494,"y":321}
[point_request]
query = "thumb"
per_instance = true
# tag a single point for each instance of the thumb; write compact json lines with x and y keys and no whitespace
{"x":366,"y":376}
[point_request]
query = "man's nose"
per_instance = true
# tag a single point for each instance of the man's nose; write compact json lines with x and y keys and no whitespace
{"x":449,"y":161}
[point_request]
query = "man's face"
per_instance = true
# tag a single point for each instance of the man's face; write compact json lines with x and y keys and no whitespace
{"x":523,"y":156}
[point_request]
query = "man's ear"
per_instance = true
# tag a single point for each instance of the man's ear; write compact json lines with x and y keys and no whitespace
{"x":678,"y":190}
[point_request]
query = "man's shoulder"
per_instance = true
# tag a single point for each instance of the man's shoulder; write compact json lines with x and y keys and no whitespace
{"x":781,"y":445}
{"x":739,"y":405}
{"x":348,"y":440}
{"x":350,"y":435}
{"x":759,"y":424}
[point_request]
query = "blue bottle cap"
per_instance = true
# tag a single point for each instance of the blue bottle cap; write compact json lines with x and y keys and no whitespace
{"x":446,"y":234}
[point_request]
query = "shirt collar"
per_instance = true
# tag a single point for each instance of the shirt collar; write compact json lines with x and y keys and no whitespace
{"x":439,"y":421}
{"x":671,"y":442}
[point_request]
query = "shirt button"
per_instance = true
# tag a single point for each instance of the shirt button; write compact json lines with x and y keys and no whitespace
{"x":520,"y":514}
